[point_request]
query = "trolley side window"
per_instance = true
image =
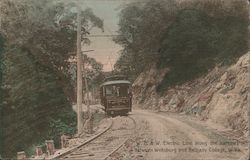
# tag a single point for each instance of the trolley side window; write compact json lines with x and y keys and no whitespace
{"x":108,"y":90}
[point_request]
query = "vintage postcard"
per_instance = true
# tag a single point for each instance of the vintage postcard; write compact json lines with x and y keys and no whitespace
{"x":124,"y":79}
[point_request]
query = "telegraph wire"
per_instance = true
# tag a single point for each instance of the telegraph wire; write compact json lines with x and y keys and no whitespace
{"x":111,"y":35}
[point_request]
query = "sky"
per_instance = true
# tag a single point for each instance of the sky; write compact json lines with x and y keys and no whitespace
{"x":105,"y":50}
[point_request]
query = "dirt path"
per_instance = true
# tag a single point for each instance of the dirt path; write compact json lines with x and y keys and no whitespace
{"x":168,"y":138}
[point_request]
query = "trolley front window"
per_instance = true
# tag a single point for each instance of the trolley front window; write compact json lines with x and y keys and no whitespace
{"x":117,"y":90}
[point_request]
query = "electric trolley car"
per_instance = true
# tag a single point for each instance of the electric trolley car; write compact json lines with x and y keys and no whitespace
{"x":116,"y":95}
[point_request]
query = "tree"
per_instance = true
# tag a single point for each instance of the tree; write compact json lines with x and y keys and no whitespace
{"x":202,"y":35}
{"x":93,"y":70}
{"x":141,"y":27}
{"x":40,"y":38}
{"x":188,"y":38}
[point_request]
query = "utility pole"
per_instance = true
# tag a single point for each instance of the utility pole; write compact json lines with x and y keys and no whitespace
{"x":85,"y":79}
{"x":79,"y":75}
{"x":87,"y":90}
{"x":89,"y":121}
{"x":86,"y":85}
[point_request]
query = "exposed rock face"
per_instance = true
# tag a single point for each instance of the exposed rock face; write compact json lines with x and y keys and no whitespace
{"x":221,"y":96}
{"x":230,"y":102}
{"x":145,"y":85}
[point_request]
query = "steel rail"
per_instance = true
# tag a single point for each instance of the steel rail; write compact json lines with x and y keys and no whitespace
{"x":101,"y":148}
{"x":84,"y":143}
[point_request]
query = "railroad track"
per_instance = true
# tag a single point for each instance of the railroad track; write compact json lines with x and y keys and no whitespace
{"x":106,"y":144}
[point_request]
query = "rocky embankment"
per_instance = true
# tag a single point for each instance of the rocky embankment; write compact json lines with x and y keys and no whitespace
{"x":221,"y":96}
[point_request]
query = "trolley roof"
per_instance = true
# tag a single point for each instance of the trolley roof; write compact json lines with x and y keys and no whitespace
{"x":115,"y":77}
{"x":115,"y":82}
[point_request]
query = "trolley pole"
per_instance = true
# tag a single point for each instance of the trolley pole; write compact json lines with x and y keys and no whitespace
{"x":79,"y":75}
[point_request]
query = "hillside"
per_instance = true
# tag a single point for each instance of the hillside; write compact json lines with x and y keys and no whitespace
{"x":221,"y":96}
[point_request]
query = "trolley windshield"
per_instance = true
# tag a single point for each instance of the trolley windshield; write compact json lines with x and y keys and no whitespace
{"x":118,"y":90}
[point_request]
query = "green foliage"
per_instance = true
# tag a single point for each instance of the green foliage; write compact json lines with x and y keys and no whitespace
{"x":93,"y":72}
{"x":60,"y":126}
{"x":57,"y":128}
{"x":141,"y":27}
{"x":189,"y":38}
{"x":196,"y":41}
{"x":38,"y":88}
{"x":35,"y":96}
{"x":188,"y":47}
{"x":29,"y":17}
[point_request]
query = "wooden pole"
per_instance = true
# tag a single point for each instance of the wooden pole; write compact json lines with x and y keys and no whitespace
{"x":79,"y":75}
{"x":87,"y":87}
{"x":87,"y":90}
